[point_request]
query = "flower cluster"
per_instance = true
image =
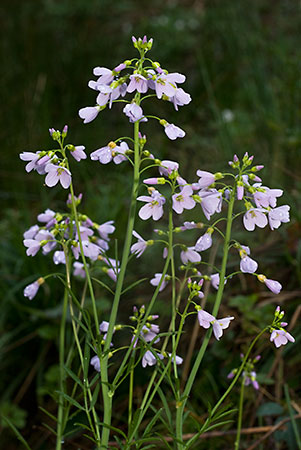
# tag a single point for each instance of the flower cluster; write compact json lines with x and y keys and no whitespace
{"x":249,"y":375}
{"x":57,"y":231}
{"x":132,"y":77}
{"x":146,"y":338}
{"x":278,"y":334}
{"x":205,"y":193}
{"x":260,"y":201}
{"x":54,"y":163}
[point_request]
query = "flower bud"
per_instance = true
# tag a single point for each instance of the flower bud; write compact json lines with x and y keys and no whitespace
{"x":65,"y":131}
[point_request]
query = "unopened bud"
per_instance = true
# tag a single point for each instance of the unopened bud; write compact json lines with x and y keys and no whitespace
{"x":65,"y":131}
{"x":262,"y":278}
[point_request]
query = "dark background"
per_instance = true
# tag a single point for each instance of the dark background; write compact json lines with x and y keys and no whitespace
{"x":242,"y":61}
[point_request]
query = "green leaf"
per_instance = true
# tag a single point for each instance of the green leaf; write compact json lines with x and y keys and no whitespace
{"x":152,"y":422}
{"x":16,"y":431}
{"x":49,"y":428}
{"x":71,"y":400}
{"x":134,"y":421}
{"x":48,"y":413}
{"x":74,"y":376}
{"x":166,"y":407}
{"x":269,"y":409}
{"x":113,"y":429}
{"x":103,"y":285}
{"x":82,"y":425}
{"x":94,"y":396}
{"x":86,"y":359}
{"x":133,"y":285}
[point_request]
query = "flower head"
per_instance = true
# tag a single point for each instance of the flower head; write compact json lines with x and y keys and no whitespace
{"x":156,"y":280}
{"x":57,"y":174}
{"x":281,"y":337}
{"x":254,"y":216}
{"x":153,"y":207}
{"x":173,"y":132}
{"x":149,"y":359}
{"x":183,"y":200}
{"x":31,"y":290}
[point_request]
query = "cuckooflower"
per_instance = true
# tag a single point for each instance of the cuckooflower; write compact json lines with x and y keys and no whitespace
{"x":137,"y":82}
{"x":266,"y":198}
{"x":211,"y":202}
{"x":78,"y":153}
{"x":180,"y":98}
{"x":278,"y":215}
{"x":79,"y":270}
{"x":248,"y":265}
{"x":46,"y":217}
{"x":57,"y":174}
{"x":272,"y":285}
{"x":140,"y":246}
{"x":214,"y":278}
{"x":205,"y":319}
{"x":220,"y":325}
{"x":95,"y":363}
{"x":183,"y":200}
{"x":105,"y":229}
{"x":167,"y":167}
{"x":133,"y":111}
{"x":59,"y":257}
{"x":204,"y":242}
{"x":173,"y":132}
{"x":281,"y":337}
{"x":149,"y":359}
{"x":166,"y":84}
{"x":31,"y":290}
{"x":190,"y":255}
{"x":254,"y":217}
{"x":89,"y":113}
{"x":206,"y":178}
{"x":111,"y":151}
{"x":153,"y":207}
{"x":156,"y":280}
{"x":32,"y":232}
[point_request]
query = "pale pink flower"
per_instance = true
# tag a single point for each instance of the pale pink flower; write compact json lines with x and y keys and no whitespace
{"x":278,"y":215}
{"x":219,"y":325}
{"x":281,"y":337}
{"x":190,"y":255}
{"x":153,"y":207}
{"x":254,"y":217}
{"x":183,"y":200}
{"x":156,"y":280}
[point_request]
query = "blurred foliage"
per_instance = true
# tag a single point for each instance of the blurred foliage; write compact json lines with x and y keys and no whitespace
{"x":243,"y":72}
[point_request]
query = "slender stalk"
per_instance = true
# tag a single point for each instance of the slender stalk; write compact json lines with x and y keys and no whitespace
{"x":240,"y":409}
{"x":107,"y":395}
{"x":60,"y":421}
{"x":219,"y":295}
{"x":238,"y":373}
{"x":80,"y":353}
{"x":131,"y":388}
{"x":151,"y":391}
{"x":89,"y":281}
{"x":291,"y":413}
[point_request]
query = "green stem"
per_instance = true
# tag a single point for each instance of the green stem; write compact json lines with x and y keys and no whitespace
{"x":60,"y":430}
{"x":74,"y":211}
{"x":131,"y":388}
{"x":293,"y":420}
{"x":151,"y":391}
{"x":240,"y":409}
{"x":86,"y":388}
{"x":238,"y":373}
{"x":193,"y":373}
{"x":107,"y":395}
